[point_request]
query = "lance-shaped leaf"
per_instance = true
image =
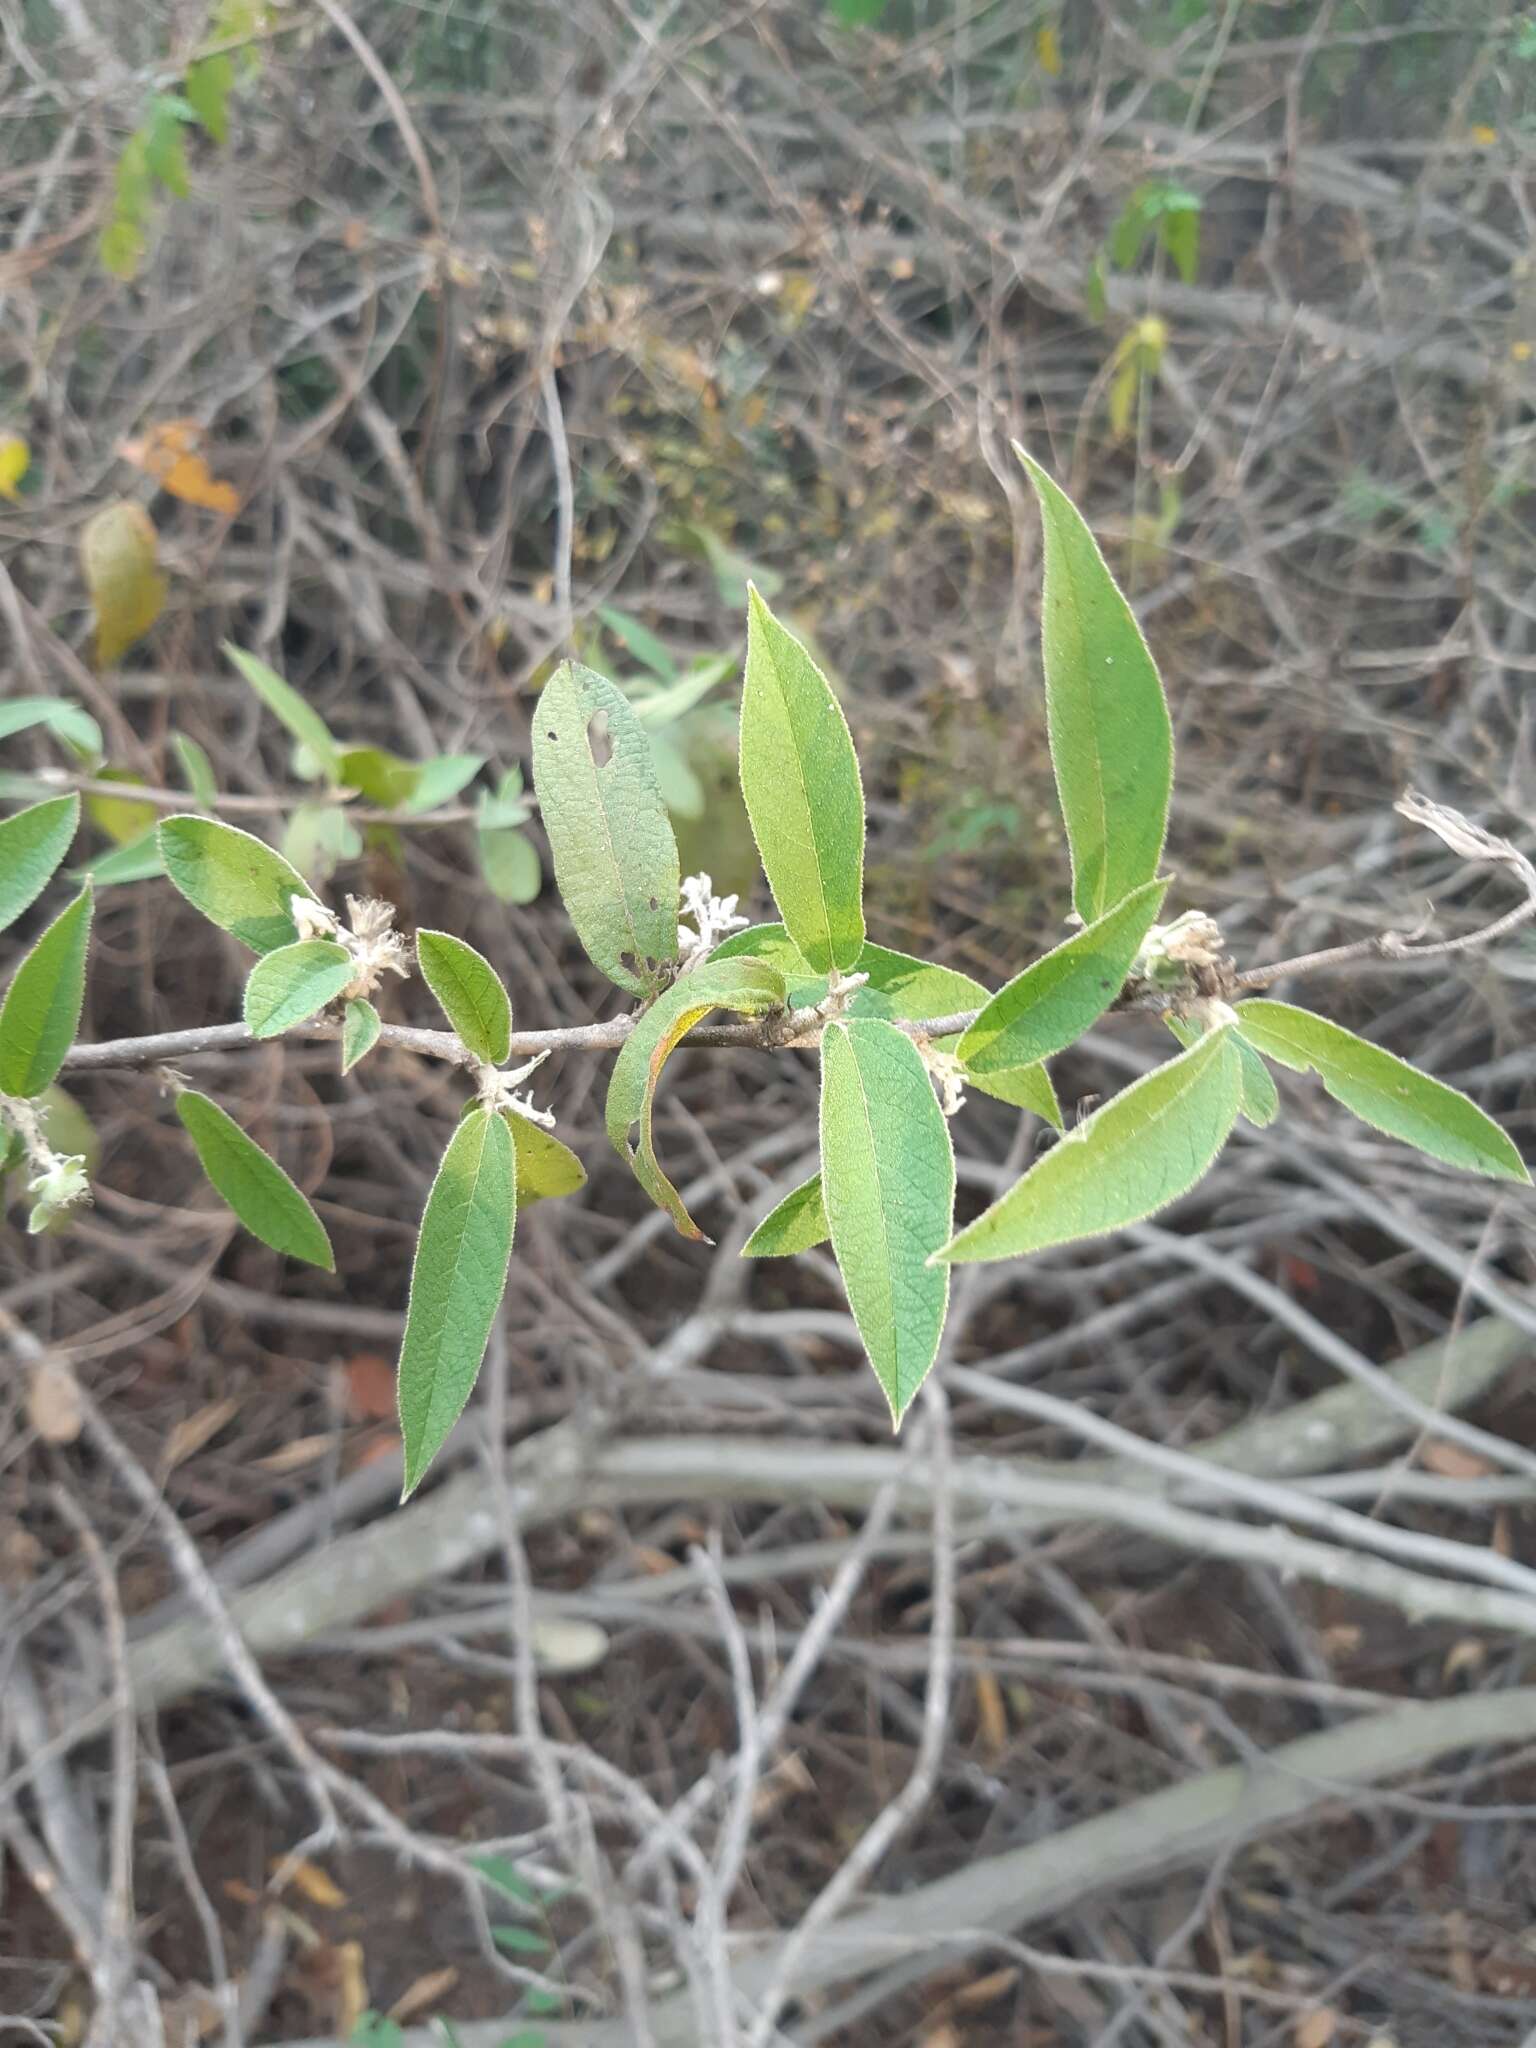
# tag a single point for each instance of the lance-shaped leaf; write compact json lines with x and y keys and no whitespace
{"x":32,"y":846}
{"x":360,"y":1028}
{"x":138,"y":861}
{"x":545,"y":1167}
{"x":255,"y":1187}
{"x":1259,"y":1100}
{"x":1052,"y":1003}
{"x":1111,"y":741}
{"x":797,"y":1224}
{"x":1147,"y":1146}
{"x":67,"y":722}
{"x":457,"y":1281}
{"x":294,"y":983}
{"x":800,"y":780}
{"x":888,"y":1182}
{"x":196,"y":768}
{"x":900,"y":986}
{"x":614,"y":853}
{"x":295,"y":712}
{"x":41,"y":1011}
{"x":749,"y":986}
{"x":1383,"y":1090}
{"x":233,"y":879}
{"x":469,"y":993}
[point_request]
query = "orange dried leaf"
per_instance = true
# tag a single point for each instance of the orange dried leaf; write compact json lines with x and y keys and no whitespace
{"x":425,"y":1992}
{"x":169,"y":453}
{"x":316,"y":1885}
{"x":369,"y":1381}
{"x":1318,"y":2028}
{"x":119,"y":552}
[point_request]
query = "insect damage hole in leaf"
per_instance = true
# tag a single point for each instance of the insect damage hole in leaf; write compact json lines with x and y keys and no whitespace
{"x":600,"y":744}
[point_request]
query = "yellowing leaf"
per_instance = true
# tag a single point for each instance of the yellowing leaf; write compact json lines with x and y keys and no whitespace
{"x":119,"y":552}
{"x":1484,"y":136}
{"x":317,"y":1885}
{"x":122,"y":818}
{"x":1048,"y":50}
{"x":169,"y":453}
{"x":15,"y":458}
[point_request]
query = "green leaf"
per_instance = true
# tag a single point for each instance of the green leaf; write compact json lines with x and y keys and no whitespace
{"x":121,"y":248}
{"x":1259,"y":1100}
{"x":639,"y":640}
{"x":360,"y":1029}
{"x":546,"y":1168}
{"x":255,"y":1187}
{"x":503,"y":1874}
{"x":798,"y":1224}
{"x":749,"y":986}
{"x":439,"y":781}
{"x":138,"y":861}
{"x":292,"y":710}
{"x":233,"y":879}
{"x":32,"y":845}
{"x":164,"y":147}
{"x":888,"y":1181}
{"x":1111,"y":741}
{"x":197,"y":768}
{"x":902,"y":987}
{"x":1147,"y":1146}
{"x":507,"y":804}
{"x":383,"y":778}
{"x":521,"y":1941}
{"x":469,"y":993}
{"x":41,"y":1012}
{"x":293,"y":984}
{"x":1383,"y":1090}
{"x":800,"y":780}
{"x":1051,"y":1004}
{"x":122,"y":818}
{"x":457,"y":1281}
{"x":208,"y":84}
{"x":509,"y":860}
{"x":614,"y":853}
{"x":66,"y":721}
{"x":318,"y":838}
{"x":1180,"y":232}
{"x":662,"y":707}
{"x":681,"y":790}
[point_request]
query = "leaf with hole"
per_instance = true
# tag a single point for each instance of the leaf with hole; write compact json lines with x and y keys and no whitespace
{"x":469,"y":994}
{"x":797,"y":1224}
{"x":33,"y":844}
{"x":41,"y":1011}
{"x":254,"y":1186}
{"x":888,"y":1183}
{"x":291,"y":984}
{"x":457,"y":1280}
{"x":1147,"y":1146}
{"x":119,"y":552}
{"x":291,"y":710}
{"x":360,"y":1028}
{"x":1111,"y":740}
{"x":614,"y":853}
{"x":800,"y":781}
{"x":1383,"y":1090}
{"x":750,"y":987}
{"x":237,"y":882}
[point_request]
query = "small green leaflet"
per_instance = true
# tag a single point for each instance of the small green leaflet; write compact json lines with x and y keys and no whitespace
{"x":32,"y":846}
{"x":439,"y":780}
{"x":1259,"y":1101}
{"x":614,"y":853}
{"x":286,"y":705}
{"x":255,"y":1187}
{"x":41,"y":1012}
{"x":383,"y":778}
{"x":197,"y":769}
{"x":138,"y":861}
{"x":457,"y":1281}
{"x":1111,"y":741}
{"x":1383,"y":1090}
{"x":509,"y":861}
{"x":318,"y":838}
{"x":545,"y":1167}
{"x":66,"y":721}
{"x":748,"y":986}
{"x":207,"y":85}
{"x":888,"y":1181}
{"x":798,"y":1224}
{"x":800,"y":781}
{"x":1147,"y":1146}
{"x":360,"y":1029}
{"x":1051,"y":1004}
{"x":233,"y":879}
{"x":469,"y":994}
{"x":294,"y":983}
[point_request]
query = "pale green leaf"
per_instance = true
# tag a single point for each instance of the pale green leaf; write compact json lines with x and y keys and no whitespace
{"x":360,"y":1027}
{"x":507,"y":804}
{"x":797,"y":1224}
{"x":545,"y":1167}
{"x":32,"y":846}
{"x":66,"y":721}
{"x":614,"y":853}
{"x":318,"y":838}
{"x":469,"y":993}
{"x":681,"y":790}
{"x":662,"y":707}
{"x":888,"y":1182}
{"x":196,"y":768}
{"x":290,"y":709}
{"x":1147,"y":1146}
{"x":800,"y":781}
{"x":748,"y":986}
{"x":233,"y":879}
{"x":1259,"y":1100}
{"x":138,"y":861}
{"x":1111,"y":740}
{"x":440,"y":780}
{"x":294,"y":983}
{"x":509,"y":860}
{"x":254,"y":1186}
{"x":383,"y":778}
{"x":208,"y":83}
{"x":1383,"y":1090}
{"x":457,"y":1281}
{"x":41,"y":1011}
{"x":640,"y":641}
{"x":1052,"y":1003}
